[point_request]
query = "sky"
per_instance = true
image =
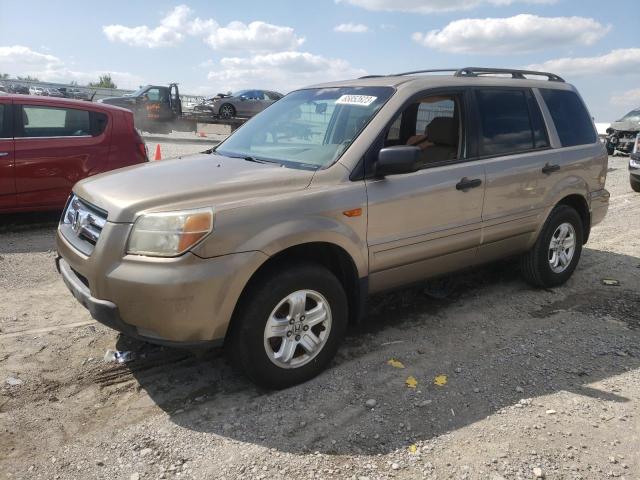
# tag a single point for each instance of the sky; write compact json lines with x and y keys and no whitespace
{"x":217,"y":45}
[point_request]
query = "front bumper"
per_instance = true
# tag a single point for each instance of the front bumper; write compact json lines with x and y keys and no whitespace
{"x":186,"y":301}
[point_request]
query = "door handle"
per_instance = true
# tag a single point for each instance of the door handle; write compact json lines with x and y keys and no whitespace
{"x":4,"y":154}
{"x":550,"y":168}
{"x":466,"y":184}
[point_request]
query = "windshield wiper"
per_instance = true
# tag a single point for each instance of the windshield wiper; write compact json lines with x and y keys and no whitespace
{"x":257,"y":160}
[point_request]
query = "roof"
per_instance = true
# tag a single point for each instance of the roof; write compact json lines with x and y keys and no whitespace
{"x":462,"y":77}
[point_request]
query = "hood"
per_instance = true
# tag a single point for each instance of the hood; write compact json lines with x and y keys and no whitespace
{"x":188,"y":182}
{"x":626,"y":126}
{"x":119,"y":101}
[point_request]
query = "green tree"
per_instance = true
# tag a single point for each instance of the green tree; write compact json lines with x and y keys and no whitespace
{"x":28,"y":77}
{"x":104,"y":81}
{"x":73,"y":83}
{"x":4,"y":76}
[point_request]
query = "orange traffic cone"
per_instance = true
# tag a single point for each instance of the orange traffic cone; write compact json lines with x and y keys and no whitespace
{"x":158,"y":155}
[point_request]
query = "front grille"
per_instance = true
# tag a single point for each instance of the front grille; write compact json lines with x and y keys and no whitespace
{"x":82,"y":224}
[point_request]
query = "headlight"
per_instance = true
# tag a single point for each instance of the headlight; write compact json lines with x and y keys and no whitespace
{"x":168,"y":234}
{"x":634,"y":163}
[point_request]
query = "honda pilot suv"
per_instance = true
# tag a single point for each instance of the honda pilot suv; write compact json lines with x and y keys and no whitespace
{"x":271,"y":242}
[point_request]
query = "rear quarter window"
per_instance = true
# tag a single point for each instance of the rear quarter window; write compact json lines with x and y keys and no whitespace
{"x":572,"y":121}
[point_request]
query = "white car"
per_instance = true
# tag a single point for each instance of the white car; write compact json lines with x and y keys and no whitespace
{"x":36,"y":91}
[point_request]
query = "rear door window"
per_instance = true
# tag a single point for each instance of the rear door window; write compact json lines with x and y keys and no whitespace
{"x":505,"y":123}
{"x":39,"y":121}
{"x":572,"y":121}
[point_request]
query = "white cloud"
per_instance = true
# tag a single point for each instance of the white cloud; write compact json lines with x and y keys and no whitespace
{"x":170,"y":31}
{"x":519,"y":34}
{"x":430,"y":6}
{"x":630,"y":98}
{"x":255,"y":37}
{"x":281,"y":71}
{"x":20,"y":60}
{"x":236,"y":36}
{"x":351,"y":28}
{"x":623,"y":61}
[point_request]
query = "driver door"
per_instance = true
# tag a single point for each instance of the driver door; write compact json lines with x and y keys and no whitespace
{"x":428,"y":222}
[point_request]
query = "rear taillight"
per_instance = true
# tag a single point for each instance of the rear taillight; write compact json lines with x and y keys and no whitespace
{"x":142,"y":149}
{"x":141,"y":146}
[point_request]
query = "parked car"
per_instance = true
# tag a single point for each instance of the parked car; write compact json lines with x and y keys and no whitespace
{"x":75,"y":93}
{"x":36,"y":91}
{"x":56,"y":142}
{"x":17,"y":88}
{"x":621,"y":135}
{"x":634,"y":165}
{"x":245,"y":103}
{"x":271,"y":243}
{"x":53,"y":92}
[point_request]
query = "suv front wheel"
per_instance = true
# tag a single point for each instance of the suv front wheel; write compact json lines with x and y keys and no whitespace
{"x":290,"y":326}
{"x":556,"y":253}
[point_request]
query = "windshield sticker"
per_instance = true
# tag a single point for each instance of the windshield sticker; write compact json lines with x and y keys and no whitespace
{"x":360,"y":100}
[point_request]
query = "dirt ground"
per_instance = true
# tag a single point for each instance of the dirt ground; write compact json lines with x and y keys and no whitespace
{"x":539,"y":383}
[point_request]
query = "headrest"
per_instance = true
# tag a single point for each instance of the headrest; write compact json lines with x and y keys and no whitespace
{"x":443,"y":131}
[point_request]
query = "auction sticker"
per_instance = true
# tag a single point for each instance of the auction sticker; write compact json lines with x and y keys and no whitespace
{"x":361,"y":100}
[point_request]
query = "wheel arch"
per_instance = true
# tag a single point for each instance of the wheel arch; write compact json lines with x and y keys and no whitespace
{"x":579,"y":204}
{"x":330,"y":255}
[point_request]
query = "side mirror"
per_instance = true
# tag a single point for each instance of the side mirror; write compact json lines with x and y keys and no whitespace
{"x":242,"y":98}
{"x":397,"y":160}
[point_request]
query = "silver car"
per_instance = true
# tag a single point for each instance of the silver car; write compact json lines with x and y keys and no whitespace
{"x":245,"y":103}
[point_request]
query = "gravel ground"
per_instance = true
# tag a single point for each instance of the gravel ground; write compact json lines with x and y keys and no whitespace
{"x":179,"y":144}
{"x":511,"y":382}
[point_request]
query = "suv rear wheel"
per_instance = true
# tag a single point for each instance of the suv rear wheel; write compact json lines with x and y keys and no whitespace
{"x":556,"y":253}
{"x":635,"y":184}
{"x":290,"y":327}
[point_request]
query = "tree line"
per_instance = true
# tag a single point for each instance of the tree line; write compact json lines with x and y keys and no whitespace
{"x":104,"y":81}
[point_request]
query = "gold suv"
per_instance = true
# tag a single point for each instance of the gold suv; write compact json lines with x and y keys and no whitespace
{"x":272,"y":241}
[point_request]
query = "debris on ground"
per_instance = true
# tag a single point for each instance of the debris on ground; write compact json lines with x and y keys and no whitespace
{"x":440,"y":380}
{"x":395,"y":363}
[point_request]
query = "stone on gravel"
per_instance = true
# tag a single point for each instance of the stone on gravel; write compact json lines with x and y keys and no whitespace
{"x":538,"y":472}
{"x":13,"y":381}
{"x":371,"y":403}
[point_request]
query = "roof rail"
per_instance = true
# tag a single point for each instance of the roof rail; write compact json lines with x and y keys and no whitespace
{"x":520,"y":74}
{"x":438,"y":70}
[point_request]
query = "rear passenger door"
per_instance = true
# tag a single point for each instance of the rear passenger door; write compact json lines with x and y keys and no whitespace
{"x":7,"y":178}
{"x":512,"y":142}
{"x":54,"y":148}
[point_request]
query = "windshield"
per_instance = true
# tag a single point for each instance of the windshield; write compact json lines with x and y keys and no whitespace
{"x":632,"y":116}
{"x":138,"y":92}
{"x":239,"y":92}
{"x":308,"y":128}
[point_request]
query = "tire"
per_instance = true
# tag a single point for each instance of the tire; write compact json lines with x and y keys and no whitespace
{"x":635,"y":184}
{"x":610,"y":149}
{"x":266,"y":305}
{"x":537,"y":265}
{"x":227,"y":111}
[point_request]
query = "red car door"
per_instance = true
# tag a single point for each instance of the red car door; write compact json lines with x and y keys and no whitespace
{"x":7,"y":178}
{"x":55,"y":146}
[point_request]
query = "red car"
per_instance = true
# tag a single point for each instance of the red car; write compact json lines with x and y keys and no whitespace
{"x":48,"y":144}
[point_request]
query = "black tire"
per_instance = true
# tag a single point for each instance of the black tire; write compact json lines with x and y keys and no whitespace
{"x":227,"y":111}
{"x":535,"y":263}
{"x":610,"y":149}
{"x":247,"y":343}
{"x":635,"y":184}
